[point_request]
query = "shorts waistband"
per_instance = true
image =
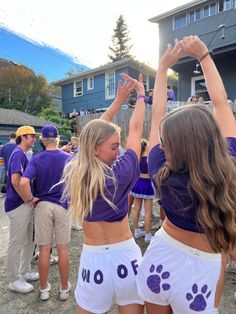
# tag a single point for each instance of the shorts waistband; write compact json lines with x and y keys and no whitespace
{"x":109,"y":247}
{"x":186,"y":248}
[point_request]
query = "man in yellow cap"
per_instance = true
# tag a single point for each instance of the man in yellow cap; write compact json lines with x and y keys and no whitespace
{"x":20,"y":214}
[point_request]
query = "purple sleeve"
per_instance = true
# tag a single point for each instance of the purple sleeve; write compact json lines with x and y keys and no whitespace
{"x":30,"y":171}
{"x":17,"y":163}
{"x":232,"y":145}
{"x":156,"y":159}
{"x":126,"y":168}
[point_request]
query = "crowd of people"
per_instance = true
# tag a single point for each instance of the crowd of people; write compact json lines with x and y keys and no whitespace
{"x":188,"y":164}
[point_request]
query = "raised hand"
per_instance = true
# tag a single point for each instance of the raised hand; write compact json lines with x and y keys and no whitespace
{"x":124,"y":90}
{"x":171,"y":56}
{"x":137,"y":84}
{"x":193,"y":46}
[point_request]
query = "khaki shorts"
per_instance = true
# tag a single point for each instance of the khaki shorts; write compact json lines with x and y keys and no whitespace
{"x":51,"y":218}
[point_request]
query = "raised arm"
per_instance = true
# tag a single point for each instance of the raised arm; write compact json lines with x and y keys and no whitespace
{"x":194,"y":47}
{"x":137,"y":118}
{"x":123,"y":92}
{"x":169,"y":58}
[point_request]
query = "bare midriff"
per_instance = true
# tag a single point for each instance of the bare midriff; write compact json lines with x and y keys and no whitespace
{"x":193,"y":239}
{"x":144,"y":175}
{"x":102,"y":232}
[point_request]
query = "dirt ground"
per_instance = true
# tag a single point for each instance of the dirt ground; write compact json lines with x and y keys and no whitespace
{"x":16,"y":303}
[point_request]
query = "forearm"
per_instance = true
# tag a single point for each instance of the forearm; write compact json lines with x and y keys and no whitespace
{"x":137,"y":117}
{"x":25,"y":192}
{"x":214,"y":82}
{"x":110,"y":113}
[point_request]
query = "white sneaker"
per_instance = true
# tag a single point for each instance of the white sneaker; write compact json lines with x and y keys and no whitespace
{"x":157,"y":225}
{"x":138,"y":233}
{"x":20,"y":285}
{"x":141,"y":224}
{"x":148,"y":237}
{"x":44,"y":293}
{"x":53,"y":259}
{"x":64,"y":293}
{"x":76,"y":227}
{"x":31,"y":276}
{"x":231,"y":267}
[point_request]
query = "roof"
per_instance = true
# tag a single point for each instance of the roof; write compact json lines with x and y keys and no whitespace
{"x":16,"y":117}
{"x":118,"y":64}
{"x":174,"y":11}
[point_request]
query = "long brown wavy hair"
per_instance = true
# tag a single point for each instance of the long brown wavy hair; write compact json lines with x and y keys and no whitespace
{"x":192,"y":142}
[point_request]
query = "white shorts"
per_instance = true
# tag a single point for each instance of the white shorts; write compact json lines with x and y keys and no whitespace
{"x":172,"y":273}
{"x":106,"y":274}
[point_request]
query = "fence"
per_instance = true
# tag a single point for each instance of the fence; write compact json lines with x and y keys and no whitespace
{"x":123,"y":116}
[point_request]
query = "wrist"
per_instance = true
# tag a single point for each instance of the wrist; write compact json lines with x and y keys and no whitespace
{"x":29,"y":200}
{"x":141,"y":96}
{"x":204,"y":55}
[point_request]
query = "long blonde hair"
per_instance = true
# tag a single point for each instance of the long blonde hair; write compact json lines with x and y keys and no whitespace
{"x":193,"y":142}
{"x":84,"y":176}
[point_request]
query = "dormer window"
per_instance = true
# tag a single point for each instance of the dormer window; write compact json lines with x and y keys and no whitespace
{"x":180,"y":21}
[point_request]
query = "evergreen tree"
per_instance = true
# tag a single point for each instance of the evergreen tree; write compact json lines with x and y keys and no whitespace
{"x":120,"y":41}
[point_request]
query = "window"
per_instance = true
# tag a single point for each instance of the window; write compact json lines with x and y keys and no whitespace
{"x":110,"y":85}
{"x":180,"y":21}
{"x":78,"y":88}
{"x":199,"y":87}
{"x":90,"y":82}
{"x":213,"y":8}
{"x":206,"y":11}
{"x":225,"y":5}
{"x":198,"y":14}
{"x":191,"y":16}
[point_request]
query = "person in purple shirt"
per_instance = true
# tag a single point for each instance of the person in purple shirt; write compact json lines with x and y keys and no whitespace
{"x":170,"y":94}
{"x":193,"y":168}
{"x":7,"y":149}
{"x":51,"y":214}
{"x":20,"y":214}
{"x":98,"y":183}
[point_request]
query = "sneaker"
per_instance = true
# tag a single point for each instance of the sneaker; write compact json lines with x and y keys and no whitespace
{"x":141,"y":224}
{"x":44,"y":293}
{"x":20,"y":285}
{"x":138,"y":233}
{"x":35,"y":257}
{"x":64,"y":293}
{"x":76,"y":227}
{"x":53,"y":259}
{"x":30,"y":276}
{"x":148,"y":237}
{"x":157,"y":225}
{"x":231,"y":267}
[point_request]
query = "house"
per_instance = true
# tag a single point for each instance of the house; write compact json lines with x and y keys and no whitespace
{"x":11,"y":120}
{"x":215,"y":23}
{"x":96,"y":88}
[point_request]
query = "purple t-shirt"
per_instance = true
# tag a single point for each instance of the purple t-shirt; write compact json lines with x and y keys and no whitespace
{"x":6,"y":152}
{"x":179,"y":206}
{"x":126,"y":171}
{"x":45,"y":170}
{"x":17,"y":164}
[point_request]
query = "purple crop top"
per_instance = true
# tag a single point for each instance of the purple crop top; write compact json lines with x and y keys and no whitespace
{"x":126,"y":171}
{"x":179,"y":206}
{"x":143,"y":165}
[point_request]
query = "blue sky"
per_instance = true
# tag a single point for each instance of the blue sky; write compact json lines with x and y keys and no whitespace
{"x":50,"y":62}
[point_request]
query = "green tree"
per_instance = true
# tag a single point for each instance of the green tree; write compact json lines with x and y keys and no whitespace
{"x":120,"y":40}
{"x":52,"y":114}
{"x":21,"y":89}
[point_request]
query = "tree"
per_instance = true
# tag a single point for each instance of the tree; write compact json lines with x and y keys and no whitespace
{"x":52,"y":114}
{"x":120,"y":40}
{"x":21,"y":89}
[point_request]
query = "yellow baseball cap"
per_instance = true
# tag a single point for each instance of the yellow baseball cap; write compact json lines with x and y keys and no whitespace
{"x":24,"y":130}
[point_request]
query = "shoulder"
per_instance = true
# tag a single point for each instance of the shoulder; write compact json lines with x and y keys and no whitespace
{"x":156,"y":159}
{"x":231,"y":145}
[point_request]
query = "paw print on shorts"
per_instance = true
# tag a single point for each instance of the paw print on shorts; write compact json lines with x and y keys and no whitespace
{"x":154,"y":281}
{"x":199,"y":299}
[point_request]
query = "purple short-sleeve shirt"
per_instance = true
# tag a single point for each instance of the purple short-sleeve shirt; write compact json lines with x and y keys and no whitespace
{"x":17,"y":164}
{"x":126,"y":172}
{"x":179,"y":206}
{"x":45,"y":170}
